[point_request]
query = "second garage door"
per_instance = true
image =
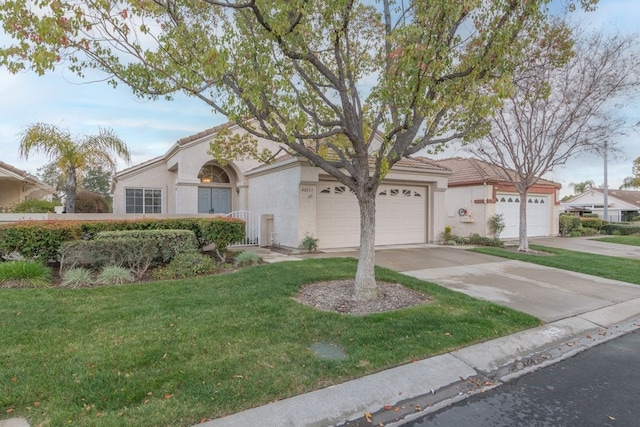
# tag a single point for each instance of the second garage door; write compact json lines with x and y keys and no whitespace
{"x":401,"y":215}
{"x":538,"y":215}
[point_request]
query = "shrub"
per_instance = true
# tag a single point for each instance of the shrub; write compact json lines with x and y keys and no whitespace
{"x":590,"y":222}
{"x":42,"y":239}
{"x":112,"y":275}
{"x":460,"y":240}
{"x":589,"y":215}
{"x":447,"y":235}
{"x":476,"y":239}
{"x":77,"y":278}
{"x":37,"y":239}
{"x":168,"y":243}
{"x":635,"y":218}
{"x":134,"y":254}
{"x":24,"y":274}
{"x":247,"y":258}
{"x":34,"y":206}
{"x":588,"y":231}
{"x":187,"y":264}
{"x":575,"y":233}
{"x":222,"y":232}
{"x":89,"y":202}
{"x":309,"y":243}
{"x":568,"y":223}
{"x":496,"y":225}
{"x":621,"y":229}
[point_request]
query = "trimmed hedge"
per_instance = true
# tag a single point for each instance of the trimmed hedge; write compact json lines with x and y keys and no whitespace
{"x":590,"y":222}
{"x":42,"y":239}
{"x":623,"y":229}
{"x":135,"y":254}
{"x":168,"y":243}
{"x":37,"y":239}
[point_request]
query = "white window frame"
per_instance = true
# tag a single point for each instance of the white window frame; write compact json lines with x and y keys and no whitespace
{"x":154,"y":207}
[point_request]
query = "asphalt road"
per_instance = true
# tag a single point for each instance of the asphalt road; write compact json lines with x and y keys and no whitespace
{"x":598,"y":387}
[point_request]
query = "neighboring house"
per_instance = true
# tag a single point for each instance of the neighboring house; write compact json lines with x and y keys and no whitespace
{"x":303,"y":199}
{"x":17,"y":186}
{"x":623,"y":205}
{"x":478,"y":190}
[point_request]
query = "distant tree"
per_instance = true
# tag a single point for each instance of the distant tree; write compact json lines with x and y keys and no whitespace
{"x":634,"y":180}
{"x":581,"y":187}
{"x":73,"y":156}
{"x":562,"y":106}
{"x":97,"y":180}
{"x":51,"y":175}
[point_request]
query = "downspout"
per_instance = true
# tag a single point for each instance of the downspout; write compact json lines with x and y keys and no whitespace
{"x":486,"y":208}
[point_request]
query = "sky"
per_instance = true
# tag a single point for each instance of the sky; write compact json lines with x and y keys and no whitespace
{"x":149,"y":128}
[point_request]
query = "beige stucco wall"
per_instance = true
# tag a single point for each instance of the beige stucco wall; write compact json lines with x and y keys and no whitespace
{"x":153,"y":176}
{"x":477,"y":213}
{"x":288,"y":191}
{"x":10,"y":193}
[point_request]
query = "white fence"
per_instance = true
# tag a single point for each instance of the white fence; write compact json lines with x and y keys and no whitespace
{"x":252,"y":227}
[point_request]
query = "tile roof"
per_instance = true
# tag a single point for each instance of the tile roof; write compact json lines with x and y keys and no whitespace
{"x":32,"y":179}
{"x":468,"y":171}
{"x":206,"y":132}
{"x":406,"y":162}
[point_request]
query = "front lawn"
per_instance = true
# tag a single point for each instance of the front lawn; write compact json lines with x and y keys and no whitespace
{"x":633,"y":240}
{"x":623,"y":269}
{"x":177,"y":352}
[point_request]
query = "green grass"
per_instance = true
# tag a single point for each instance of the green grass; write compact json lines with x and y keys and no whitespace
{"x":616,"y":268}
{"x":176,"y":352}
{"x":633,"y":240}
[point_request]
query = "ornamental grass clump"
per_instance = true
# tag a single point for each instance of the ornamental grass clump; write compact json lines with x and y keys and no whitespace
{"x":77,"y":277}
{"x":244,"y":259}
{"x":114,"y":275}
{"x":24,"y":274}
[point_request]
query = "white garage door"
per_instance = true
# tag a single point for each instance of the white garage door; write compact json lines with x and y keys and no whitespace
{"x":401,"y":215}
{"x":538,"y":215}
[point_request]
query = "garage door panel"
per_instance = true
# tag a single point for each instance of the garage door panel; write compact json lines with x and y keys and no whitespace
{"x":538,"y":215}
{"x":400,"y":216}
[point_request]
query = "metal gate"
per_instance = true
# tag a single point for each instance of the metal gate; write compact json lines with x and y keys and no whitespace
{"x":252,"y":227}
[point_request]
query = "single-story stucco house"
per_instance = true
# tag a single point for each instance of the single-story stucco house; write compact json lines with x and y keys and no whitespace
{"x":622,"y":205}
{"x":302,"y":199}
{"x":478,"y":190}
{"x":16,"y":186}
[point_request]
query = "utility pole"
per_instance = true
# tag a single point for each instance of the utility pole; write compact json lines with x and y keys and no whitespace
{"x":605,"y":192}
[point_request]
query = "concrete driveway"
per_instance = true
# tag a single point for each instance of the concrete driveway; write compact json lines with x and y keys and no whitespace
{"x":589,"y":245}
{"x":547,"y":293}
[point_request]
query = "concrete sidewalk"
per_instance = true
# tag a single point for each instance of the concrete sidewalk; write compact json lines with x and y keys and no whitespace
{"x":582,"y":311}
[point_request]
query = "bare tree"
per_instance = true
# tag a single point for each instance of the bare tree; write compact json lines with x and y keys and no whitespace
{"x":562,"y":106}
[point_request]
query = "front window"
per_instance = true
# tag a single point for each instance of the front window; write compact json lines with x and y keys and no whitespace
{"x":143,"y":200}
{"x":214,"y":174}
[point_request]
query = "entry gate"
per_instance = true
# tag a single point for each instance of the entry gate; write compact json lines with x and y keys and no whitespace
{"x":252,"y":227}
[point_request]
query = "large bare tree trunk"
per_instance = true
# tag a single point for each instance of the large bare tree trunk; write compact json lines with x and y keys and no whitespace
{"x":522,"y":233}
{"x":70,"y":186}
{"x":366,"y":287}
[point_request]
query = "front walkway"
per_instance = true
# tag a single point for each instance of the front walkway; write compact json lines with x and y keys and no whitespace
{"x":589,"y":245}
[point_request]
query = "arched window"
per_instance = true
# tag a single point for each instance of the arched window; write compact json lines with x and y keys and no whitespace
{"x":213,"y":173}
